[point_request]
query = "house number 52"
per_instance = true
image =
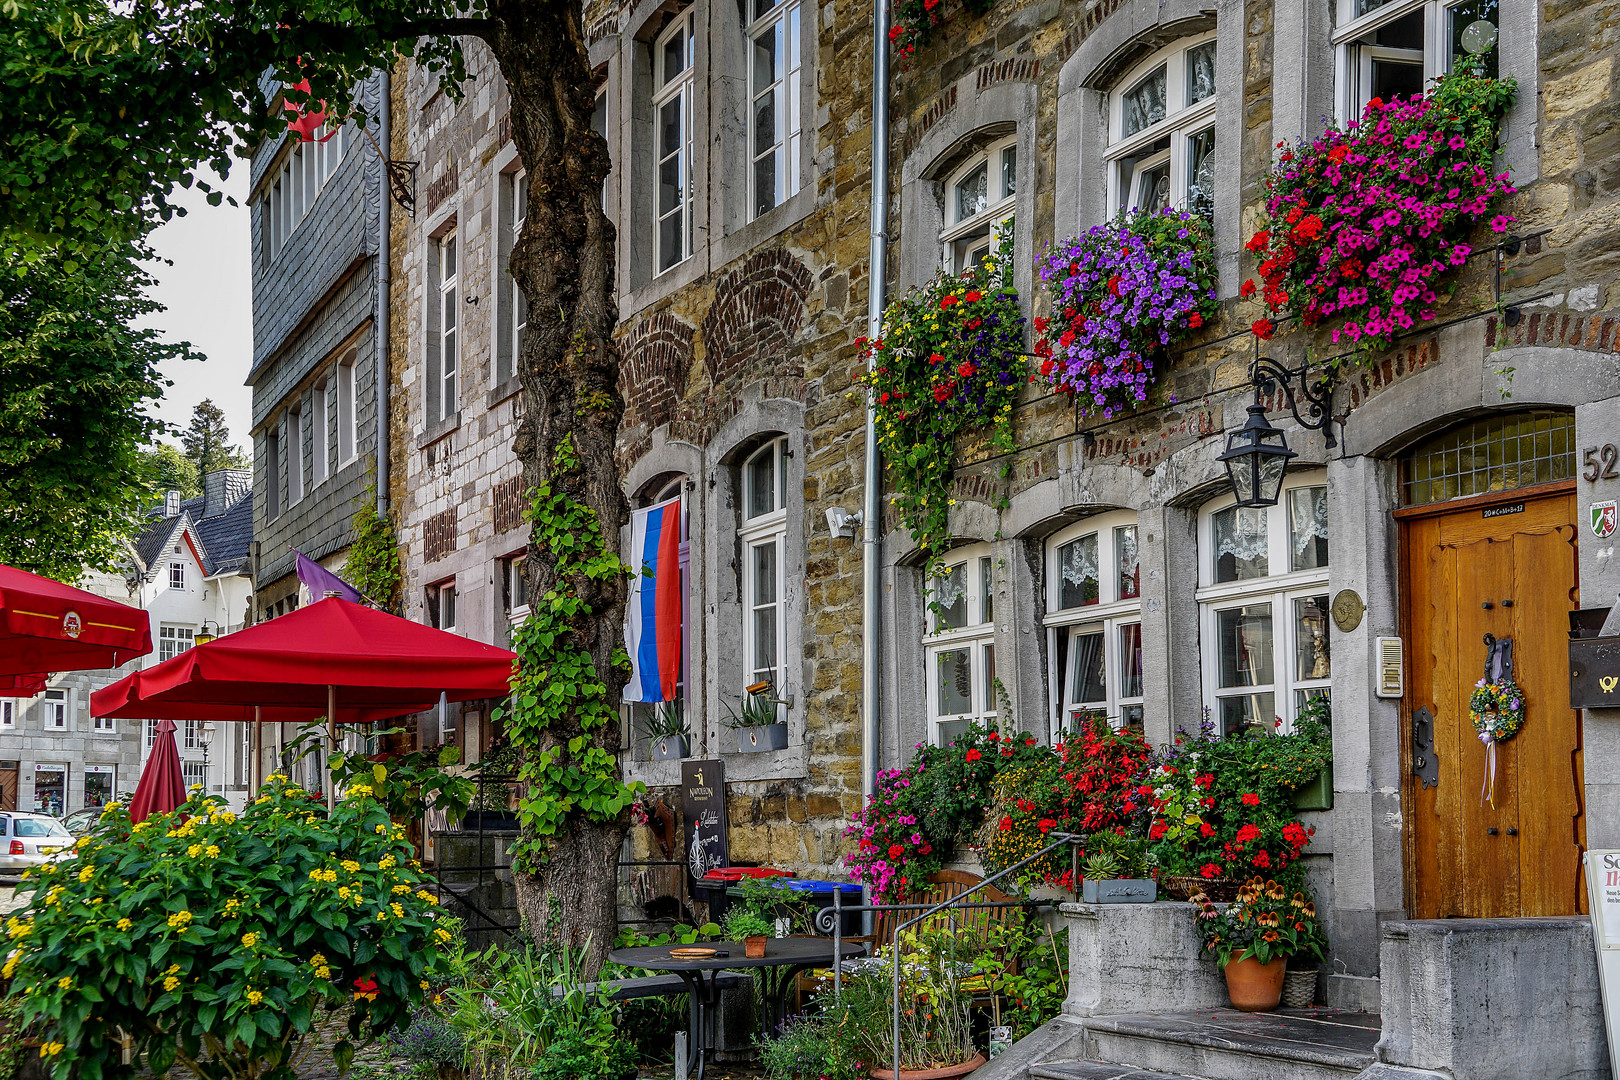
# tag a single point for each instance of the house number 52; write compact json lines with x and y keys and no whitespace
{"x":1600,"y":462}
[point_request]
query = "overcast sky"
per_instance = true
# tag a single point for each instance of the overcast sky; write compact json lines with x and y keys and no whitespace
{"x":208,"y":291}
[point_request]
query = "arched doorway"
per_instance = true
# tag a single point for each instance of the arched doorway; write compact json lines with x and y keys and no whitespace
{"x":1488,"y":547}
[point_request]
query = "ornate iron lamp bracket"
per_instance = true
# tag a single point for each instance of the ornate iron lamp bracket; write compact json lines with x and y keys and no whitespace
{"x":1311,"y":402}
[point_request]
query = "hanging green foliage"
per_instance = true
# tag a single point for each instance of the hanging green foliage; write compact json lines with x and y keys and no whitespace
{"x":373,"y":565}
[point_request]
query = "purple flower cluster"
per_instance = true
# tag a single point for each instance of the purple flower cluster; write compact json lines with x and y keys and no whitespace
{"x":1120,"y":294}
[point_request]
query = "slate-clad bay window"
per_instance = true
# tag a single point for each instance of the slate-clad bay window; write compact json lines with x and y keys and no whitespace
{"x":673,"y":82}
{"x":980,"y":197}
{"x":1094,"y":620}
{"x":1161,"y":129}
{"x":303,"y":172}
{"x":959,"y":650}
{"x":1264,"y":606}
{"x":774,"y":98}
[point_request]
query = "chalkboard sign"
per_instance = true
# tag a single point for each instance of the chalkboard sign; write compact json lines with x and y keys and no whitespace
{"x":703,"y":805}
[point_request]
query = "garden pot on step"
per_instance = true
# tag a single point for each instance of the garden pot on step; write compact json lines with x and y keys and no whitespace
{"x":949,"y":1073}
{"x":1253,"y":986}
{"x":754,"y":947}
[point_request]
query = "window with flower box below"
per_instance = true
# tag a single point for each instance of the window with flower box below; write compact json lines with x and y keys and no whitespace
{"x":1395,"y":48}
{"x":763,"y":533}
{"x":1094,"y":621}
{"x":959,"y":648}
{"x":1263,"y":604}
{"x":980,"y":197}
{"x":1161,"y":130}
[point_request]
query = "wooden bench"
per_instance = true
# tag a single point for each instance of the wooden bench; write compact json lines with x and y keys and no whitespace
{"x":942,"y":886}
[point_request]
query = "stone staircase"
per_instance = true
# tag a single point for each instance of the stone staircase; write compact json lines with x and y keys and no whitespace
{"x":1219,"y":1044}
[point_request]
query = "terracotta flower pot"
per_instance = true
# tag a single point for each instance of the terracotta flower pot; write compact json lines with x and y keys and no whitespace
{"x":1253,"y":986}
{"x":949,"y":1073}
{"x":754,"y":947}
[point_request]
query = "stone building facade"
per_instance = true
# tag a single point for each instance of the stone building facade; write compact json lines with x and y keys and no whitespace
{"x":742,"y":291}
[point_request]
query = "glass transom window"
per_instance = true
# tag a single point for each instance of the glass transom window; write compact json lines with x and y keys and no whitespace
{"x":1094,"y":621}
{"x":979,"y":201}
{"x":1264,"y":606}
{"x":1161,"y":147}
{"x":1497,"y":453}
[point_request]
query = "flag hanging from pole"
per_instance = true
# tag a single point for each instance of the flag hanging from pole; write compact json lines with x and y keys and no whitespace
{"x":321,"y":581}
{"x":654,"y":609}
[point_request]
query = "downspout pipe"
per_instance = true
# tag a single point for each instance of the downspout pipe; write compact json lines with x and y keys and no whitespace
{"x":384,"y":258}
{"x":876,"y":297}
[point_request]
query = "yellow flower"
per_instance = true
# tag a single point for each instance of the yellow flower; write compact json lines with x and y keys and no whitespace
{"x":387,"y":862}
{"x":249,"y":940}
{"x":382,"y":830}
{"x":173,"y":969}
{"x":10,"y":967}
{"x":124,"y":924}
{"x":344,"y":892}
{"x":424,"y":984}
{"x":65,"y":982}
{"x":323,"y":972}
{"x":399,"y":912}
{"x":109,"y":808}
{"x":171,"y":983}
{"x":443,"y":935}
{"x":86,"y":874}
{"x":193,"y":851}
{"x":50,"y":897}
{"x":426,"y":897}
{"x":254,"y":996}
{"x":401,"y":890}
{"x":50,"y":1049}
{"x":318,"y":959}
{"x":231,"y":905}
{"x":179,"y":920}
{"x":351,"y":866}
{"x":212,"y":851}
{"x":224,"y":817}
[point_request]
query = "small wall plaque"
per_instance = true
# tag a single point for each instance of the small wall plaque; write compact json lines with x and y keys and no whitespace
{"x":1347,"y":610}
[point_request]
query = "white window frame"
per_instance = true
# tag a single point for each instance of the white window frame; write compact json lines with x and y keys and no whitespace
{"x":150,"y":736}
{"x":679,"y":86}
{"x":783,"y":22}
{"x":519,"y":306}
{"x":109,"y":771}
{"x":1353,"y":60}
{"x":512,"y":585}
{"x":441,"y":590}
{"x":174,"y":639}
{"x":964,"y":236}
{"x":1109,"y":615}
{"x":8,"y":712}
{"x":105,"y":724}
{"x":303,"y":173}
{"x":189,"y":729}
{"x":449,"y":329}
{"x":1278,"y":589}
{"x":53,"y":709}
{"x":321,"y":464}
{"x":1182,"y":122}
{"x":757,"y":531}
{"x":976,"y":635}
{"x":348,"y":441}
{"x":177,"y":574}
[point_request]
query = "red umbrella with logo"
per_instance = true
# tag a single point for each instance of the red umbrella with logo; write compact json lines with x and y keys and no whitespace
{"x":47,"y":626}
{"x":163,"y":785}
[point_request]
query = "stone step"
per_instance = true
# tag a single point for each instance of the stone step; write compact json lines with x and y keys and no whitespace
{"x":1096,"y":1070}
{"x":1223,"y":1044}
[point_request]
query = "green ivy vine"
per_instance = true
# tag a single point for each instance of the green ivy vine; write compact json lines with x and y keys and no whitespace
{"x":373,"y":565}
{"x":558,"y":703}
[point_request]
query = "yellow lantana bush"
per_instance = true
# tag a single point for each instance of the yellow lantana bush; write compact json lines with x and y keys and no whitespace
{"x":218,"y":940}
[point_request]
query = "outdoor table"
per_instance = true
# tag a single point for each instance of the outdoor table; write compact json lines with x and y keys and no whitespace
{"x":784,"y":958}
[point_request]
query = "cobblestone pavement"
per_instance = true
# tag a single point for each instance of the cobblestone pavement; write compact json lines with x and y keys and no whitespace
{"x":8,"y":899}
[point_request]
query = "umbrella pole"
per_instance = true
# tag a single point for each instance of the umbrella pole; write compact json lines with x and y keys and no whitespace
{"x":331,"y":744}
{"x":257,"y":774}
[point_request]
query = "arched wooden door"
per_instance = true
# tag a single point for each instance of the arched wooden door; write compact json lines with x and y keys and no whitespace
{"x":1501,"y":563}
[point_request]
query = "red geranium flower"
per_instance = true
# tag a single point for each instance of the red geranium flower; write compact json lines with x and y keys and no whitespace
{"x":973,"y":297}
{"x":1251,"y":799}
{"x":974,"y":755}
{"x":895,"y":851}
{"x":1247,"y":288}
{"x":947,"y":302}
{"x":1263,"y":329}
{"x":1209,"y":870}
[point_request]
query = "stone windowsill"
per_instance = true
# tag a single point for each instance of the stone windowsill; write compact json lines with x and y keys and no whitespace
{"x":505,"y":390}
{"x":439,"y":430}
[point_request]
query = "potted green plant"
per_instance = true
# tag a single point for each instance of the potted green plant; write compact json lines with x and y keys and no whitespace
{"x":1313,"y":726}
{"x":936,"y":1042}
{"x":1115,"y":870}
{"x":751,"y":928}
{"x":756,"y":725}
{"x":1253,"y":938}
{"x":665,"y":728}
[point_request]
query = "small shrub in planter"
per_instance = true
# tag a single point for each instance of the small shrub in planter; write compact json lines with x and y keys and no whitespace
{"x":750,"y":927}
{"x":812,"y":1046}
{"x":756,"y":725}
{"x":665,"y":728}
{"x":1253,"y":938}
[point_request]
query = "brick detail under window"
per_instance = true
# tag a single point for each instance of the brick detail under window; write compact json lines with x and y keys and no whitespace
{"x":757,"y":312}
{"x":653,"y":363}
{"x":509,"y":504}
{"x":439,"y":535}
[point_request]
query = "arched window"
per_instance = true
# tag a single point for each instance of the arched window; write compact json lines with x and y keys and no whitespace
{"x":979,"y":200}
{"x":1495,"y":453}
{"x":1094,"y":620}
{"x":673,"y":84}
{"x":1161,"y":129}
{"x":763,"y":533}
{"x":959,"y":647}
{"x":1263,"y":603}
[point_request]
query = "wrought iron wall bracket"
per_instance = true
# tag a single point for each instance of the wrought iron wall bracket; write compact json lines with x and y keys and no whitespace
{"x":1311,"y":401}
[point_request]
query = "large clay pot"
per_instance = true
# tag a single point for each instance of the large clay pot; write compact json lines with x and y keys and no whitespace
{"x":949,"y":1073}
{"x":1253,"y":986}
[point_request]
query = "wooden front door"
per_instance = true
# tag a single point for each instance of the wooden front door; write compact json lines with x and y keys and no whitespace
{"x":1501,"y":565}
{"x":8,"y":785}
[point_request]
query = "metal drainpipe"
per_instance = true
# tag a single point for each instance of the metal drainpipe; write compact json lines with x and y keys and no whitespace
{"x":381,"y":317}
{"x":877,"y":286}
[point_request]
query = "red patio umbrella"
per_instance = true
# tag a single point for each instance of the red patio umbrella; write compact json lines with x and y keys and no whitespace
{"x":329,"y":656}
{"x":47,"y":626}
{"x":162,"y":786}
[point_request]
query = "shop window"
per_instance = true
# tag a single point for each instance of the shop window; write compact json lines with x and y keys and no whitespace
{"x":980,"y":197}
{"x":1161,"y":134}
{"x":100,"y":784}
{"x":959,"y":650}
{"x":774,"y":98}
{"x":673,"y":56}
{"x":1496,"y":453}
{"x":1263,"y":604}
{"x":763,"y":534}
{"x":1395,"y":48}
{"x":1094,"y":620}
{"x":50,"y":792}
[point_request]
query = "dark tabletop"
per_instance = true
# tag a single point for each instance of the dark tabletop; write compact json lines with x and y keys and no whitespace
{"x":778,"y":951}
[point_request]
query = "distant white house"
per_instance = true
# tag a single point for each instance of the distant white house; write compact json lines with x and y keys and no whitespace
{"x":190,"y":570}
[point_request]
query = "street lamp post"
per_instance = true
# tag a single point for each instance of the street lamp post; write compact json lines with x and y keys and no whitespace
{"x":205,"y":736}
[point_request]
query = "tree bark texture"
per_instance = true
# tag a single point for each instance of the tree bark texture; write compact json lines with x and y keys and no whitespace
{"x":563,"y":262}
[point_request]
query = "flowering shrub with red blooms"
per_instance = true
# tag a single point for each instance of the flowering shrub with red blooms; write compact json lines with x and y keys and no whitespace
{"x":951,"y":358}
{"x":913,"y":22}
{"x":1121,"y":294}
{"x":1362,"y":225}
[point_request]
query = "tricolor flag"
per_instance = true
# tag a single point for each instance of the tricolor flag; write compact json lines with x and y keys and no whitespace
{"x":653,"y":612}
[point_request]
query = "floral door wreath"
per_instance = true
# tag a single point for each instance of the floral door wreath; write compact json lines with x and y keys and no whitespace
{"x":1496,"y":708}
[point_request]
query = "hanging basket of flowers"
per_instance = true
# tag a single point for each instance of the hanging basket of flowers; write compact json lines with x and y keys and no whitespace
{"x":951,"y":358}
{"x":1121,"y":295}
{"x":1364,"y":226}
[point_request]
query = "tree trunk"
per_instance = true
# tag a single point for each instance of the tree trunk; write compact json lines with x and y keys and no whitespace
{"x":563,"y":262}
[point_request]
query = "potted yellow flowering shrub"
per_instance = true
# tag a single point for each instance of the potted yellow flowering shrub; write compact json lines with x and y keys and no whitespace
{"x":217,"y":941}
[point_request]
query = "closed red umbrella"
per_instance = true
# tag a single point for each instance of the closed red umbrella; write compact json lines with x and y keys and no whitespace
{"x":163,"y":785}
{"x":47,"y":626}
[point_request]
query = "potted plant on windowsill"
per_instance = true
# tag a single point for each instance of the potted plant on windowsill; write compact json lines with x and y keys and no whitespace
{"x":1313,"y":774}
{"x":757,"y":726}
{"x":1254,"y":936}
{"x":1115,"y":871}
{"x":665,"y":728}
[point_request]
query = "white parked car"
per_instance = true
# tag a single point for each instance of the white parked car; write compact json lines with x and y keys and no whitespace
{"x":29,"y":840}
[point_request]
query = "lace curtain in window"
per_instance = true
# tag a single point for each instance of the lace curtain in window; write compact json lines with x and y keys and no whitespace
{"x":1142,"y":105}
{"x":1200,"y":72}
{"x":1308,"y":527}
{"x":1240,"y":531}
{"x":1077,"y":571}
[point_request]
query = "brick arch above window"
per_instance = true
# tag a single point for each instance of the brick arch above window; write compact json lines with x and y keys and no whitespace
{"x":654,"y":359}
{"x":757,"y":312}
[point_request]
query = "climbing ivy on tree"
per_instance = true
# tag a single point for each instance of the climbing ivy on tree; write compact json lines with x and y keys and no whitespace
{"x":373,"y":565}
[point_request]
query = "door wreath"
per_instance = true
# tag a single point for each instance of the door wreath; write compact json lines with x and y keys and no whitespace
{"x":1496,"y":708}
